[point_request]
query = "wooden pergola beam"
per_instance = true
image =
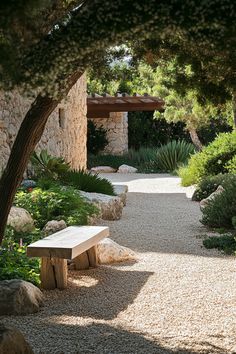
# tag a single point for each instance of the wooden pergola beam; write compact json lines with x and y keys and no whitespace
{"x":101,"y":107}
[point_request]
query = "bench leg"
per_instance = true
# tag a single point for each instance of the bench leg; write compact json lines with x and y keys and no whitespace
{"x":53,"y":273}
{"x":81,"y":261}
{"x":92,"y":256}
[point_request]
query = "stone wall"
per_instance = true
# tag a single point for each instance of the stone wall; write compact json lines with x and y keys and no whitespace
{"x":65,"y":133}
{"x":117,"y":132}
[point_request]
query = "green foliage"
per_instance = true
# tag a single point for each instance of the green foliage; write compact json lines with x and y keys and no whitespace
{"x":212,"y":160}
{"x":145,"y":130}
{"x":225,"y":243}
{"x":46,"y":165}
{"x":143,"y":159}
{"x":96,"y":138}
{"x":231,"y":166}
{"x":234,"y":221}
{"x":88,"y":182}
{"x":172,"y":155}
{"x":220,"y":210}
{"x":209,"y":185}
{"x":14,"y":263}
{"x":55,"y":203}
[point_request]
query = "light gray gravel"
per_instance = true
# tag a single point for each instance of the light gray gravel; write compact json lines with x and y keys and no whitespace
{"x":178,"y":297}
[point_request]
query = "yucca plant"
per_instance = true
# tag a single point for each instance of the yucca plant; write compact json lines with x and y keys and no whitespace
{"x":88,"y":182}
{"x":174,"y":154}
{"x":48,"y":166}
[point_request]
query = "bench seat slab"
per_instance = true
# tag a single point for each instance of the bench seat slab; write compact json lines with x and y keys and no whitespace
{"x":68,"y":243}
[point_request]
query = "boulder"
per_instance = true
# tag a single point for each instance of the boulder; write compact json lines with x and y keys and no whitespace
{"x":53,"y":226}
{"x":110,"y":207}
{"x":110,"y":252}
{"x":127,"y":169}
{"x":19,"y":297}
{"x":20,"y":219}
{"x":12,"y":341}
{"x":121,"y":191}
{"x":103,"y":169}
{"x":205,"y":202}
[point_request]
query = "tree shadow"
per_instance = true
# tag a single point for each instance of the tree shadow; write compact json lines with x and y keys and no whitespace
{"x":100,"y":293}
{"x":102,"y":338}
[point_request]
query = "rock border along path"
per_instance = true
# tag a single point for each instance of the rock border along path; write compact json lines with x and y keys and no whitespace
{"x":178,"y":297}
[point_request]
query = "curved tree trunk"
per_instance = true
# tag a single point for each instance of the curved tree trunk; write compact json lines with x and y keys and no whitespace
{"x":195,"y":139}
{"x":26,"y":140}
{"x":234,"y":109}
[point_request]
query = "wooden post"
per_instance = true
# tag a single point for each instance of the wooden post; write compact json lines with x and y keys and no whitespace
{"x":92,"y":256}
{"x":81,"y":261}
{"x":53,"y":273}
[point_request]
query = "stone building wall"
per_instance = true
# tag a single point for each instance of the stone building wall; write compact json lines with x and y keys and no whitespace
{"x":117,"y":132}
{"x":66,"y":130}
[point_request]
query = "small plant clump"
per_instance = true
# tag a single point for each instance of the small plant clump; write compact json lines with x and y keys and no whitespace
{"x":14,"y":263}
{"x":209,"y":184}
{"x":172,"y":155}
{"x":225,"y":243}
{"x":220,"y":210}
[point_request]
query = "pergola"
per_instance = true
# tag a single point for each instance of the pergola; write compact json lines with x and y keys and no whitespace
{"x":101,"y":106}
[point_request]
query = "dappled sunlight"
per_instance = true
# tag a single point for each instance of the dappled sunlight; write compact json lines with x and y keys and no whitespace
{"x":84,"y":281}
{"x":151,"y":183}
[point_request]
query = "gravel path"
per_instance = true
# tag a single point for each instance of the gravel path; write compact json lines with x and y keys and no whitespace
{"x":178,"y":297}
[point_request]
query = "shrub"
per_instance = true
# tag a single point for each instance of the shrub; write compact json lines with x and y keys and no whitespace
{"x":96,"y":138}
{"x":218,"y":157}
{"x":173,"y":154}
{"x":234,"y":221}
{"x":231,"y":166}
{"x":209,"y":185}
{"x":46,"y":165}
{"x":220,"y":210}
{"x":225,"y":243}
{"x":88,"y":182}
{"x":55,"y":204}
{"x":14,"y":263}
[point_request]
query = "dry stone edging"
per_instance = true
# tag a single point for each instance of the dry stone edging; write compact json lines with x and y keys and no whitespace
{"x":20,"y":219}
{"x":103,"y":169}
{"x":110,"y":207}
{"x":12,"y":341}
{"x":121,"y":191}
{"x":110,"y":252}
{"x":19,"y":297}
{"x":127,"y":169}
{"x":205,"y":202}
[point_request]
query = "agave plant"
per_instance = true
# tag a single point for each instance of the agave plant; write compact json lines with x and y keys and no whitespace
{"x":48,"y":166}
{"x":174,"y":154}
{"x":87,"y":182}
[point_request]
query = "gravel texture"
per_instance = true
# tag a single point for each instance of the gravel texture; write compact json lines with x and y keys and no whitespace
{"x":178,"y":297}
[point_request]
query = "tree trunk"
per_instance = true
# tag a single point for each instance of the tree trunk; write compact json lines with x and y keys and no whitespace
{"x":195,"y":139}
{"x":27,"y":138}
{"x":234,"y":109}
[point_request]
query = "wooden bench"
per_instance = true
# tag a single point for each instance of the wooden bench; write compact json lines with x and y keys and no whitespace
{"x":74,"y":242}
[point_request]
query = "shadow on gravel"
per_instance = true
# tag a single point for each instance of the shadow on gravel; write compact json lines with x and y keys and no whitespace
{"x":100,"y":294}
{"x":105,"y":339}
